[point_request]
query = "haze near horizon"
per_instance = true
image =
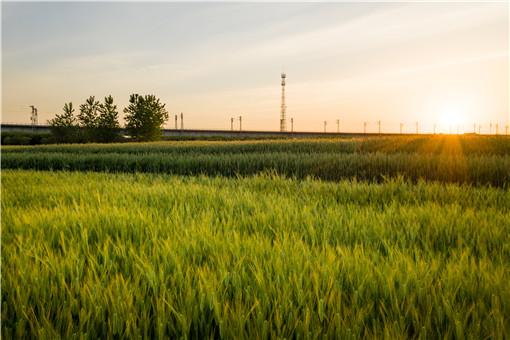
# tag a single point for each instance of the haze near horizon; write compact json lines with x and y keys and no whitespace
{"x":435,"y":63}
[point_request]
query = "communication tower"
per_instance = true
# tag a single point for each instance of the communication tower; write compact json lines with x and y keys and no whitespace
{"x":33,"y":117}
{"x":283,"y":119}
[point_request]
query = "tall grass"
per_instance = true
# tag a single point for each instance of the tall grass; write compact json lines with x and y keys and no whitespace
{"x":435,"y":145}
{"x":451,"y":159}
{"x":100,"y":255}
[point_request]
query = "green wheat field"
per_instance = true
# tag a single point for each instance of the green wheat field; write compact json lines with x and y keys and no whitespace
{"x":384,"y":237}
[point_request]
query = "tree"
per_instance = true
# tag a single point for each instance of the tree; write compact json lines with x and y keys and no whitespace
{"x":108,"y":127}
{"x":145,"y":117}
{"x":88,"y":119}
{"x":63,"y":126}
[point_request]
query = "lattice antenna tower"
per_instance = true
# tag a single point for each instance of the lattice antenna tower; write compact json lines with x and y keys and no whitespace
{"x":283,"y":112}
{"x":33,"y":116}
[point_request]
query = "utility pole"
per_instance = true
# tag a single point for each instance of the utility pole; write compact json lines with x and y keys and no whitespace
{"x":292,"y":125}
{"x":379,"y":122}
{"x":176,"y":122}
{"x":479,"y":128}
{"x":283,"y":109}
{"x":232,"y":124}
{"x":240,"y":123}
{"x":338,"y":125}
{"x":364,"y":127}
{"x":497,"y":129}
{"x":401,"y":128}
{"x":325,"y":123}
{"x":490,"y":129}
{"x":182,"y":121}
{"x":416,"y":127}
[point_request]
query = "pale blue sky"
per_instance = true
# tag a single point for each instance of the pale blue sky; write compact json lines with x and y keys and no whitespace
{"x":394,"y":62}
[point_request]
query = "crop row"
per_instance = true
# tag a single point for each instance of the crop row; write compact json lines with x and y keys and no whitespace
{"x":430,"y":145}
{"x":476,"y":170}
{"x":100,"y":255}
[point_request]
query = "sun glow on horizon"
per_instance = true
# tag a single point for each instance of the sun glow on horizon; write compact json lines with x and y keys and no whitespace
{"x":452,"y":118}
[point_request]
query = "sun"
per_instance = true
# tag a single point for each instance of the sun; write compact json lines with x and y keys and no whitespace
{"x":452,"y":118}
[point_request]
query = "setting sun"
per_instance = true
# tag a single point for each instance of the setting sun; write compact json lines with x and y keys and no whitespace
{"x":452,"y":118}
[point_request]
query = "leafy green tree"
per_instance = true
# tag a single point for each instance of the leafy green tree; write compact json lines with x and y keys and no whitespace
{"x":88,"y":119}
{"x":145,"y":117}
{"x":108,"y":127}
{"x":63,"y":126}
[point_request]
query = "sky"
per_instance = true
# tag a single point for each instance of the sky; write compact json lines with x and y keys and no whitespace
{"x":435,"y":63}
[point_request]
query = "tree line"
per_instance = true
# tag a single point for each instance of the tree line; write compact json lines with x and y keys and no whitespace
{"x":99,"y":122}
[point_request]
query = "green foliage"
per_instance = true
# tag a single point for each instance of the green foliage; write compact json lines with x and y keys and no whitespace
{"x":16,"y":138}
{"x":145,"y":117}
{"x":95,"y":123}
{"x":99,"y":255}
{"x":469,"y":160}
{"x":25,"y":138}
{"x":88,"y":119}
{"x":108,"y":128}
{"x":63,"y":126}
